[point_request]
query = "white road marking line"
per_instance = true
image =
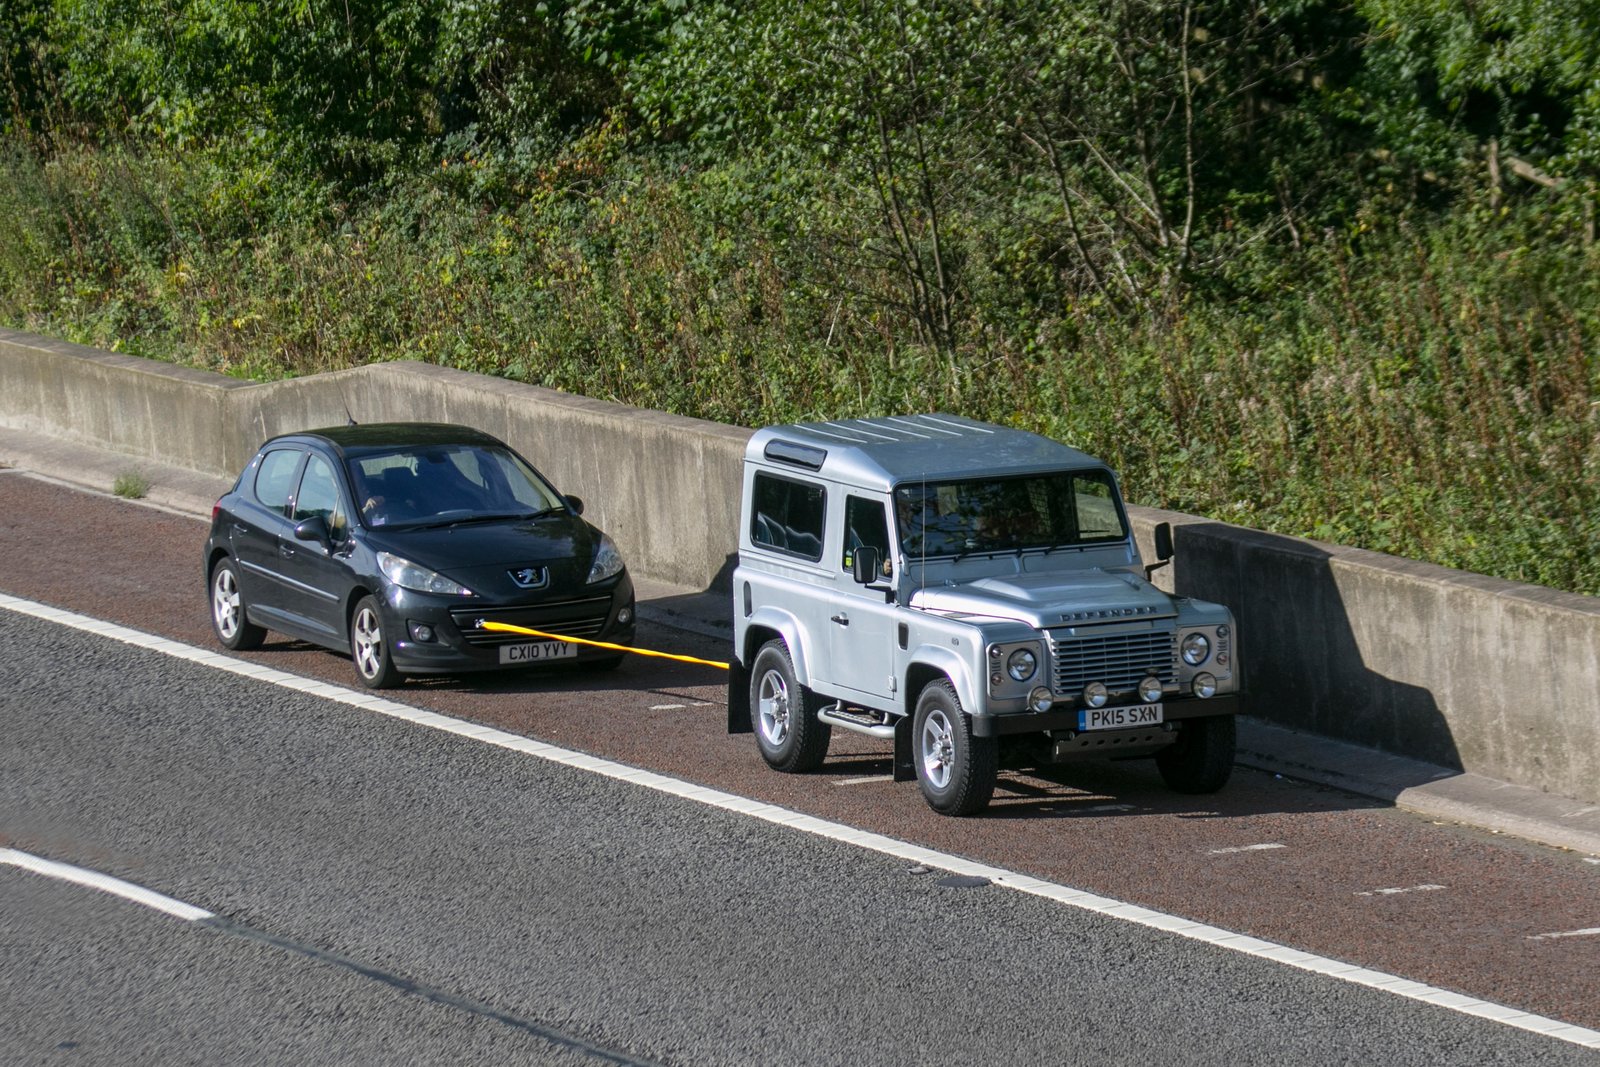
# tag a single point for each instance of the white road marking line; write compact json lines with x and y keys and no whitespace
{"x":1396,"y":892}
{"x":1245,"y":848}
{"x":1593,"y":931}
{"x":666,"y":707}
{"x":865,"y":780}
{"x":887,"y":846}
{"x":104,"y":882}
{"x":1591,"y":859}
{"x":1109,"y":807}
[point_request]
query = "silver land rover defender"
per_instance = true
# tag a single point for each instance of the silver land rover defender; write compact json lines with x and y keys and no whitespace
{"x":950,"y":584}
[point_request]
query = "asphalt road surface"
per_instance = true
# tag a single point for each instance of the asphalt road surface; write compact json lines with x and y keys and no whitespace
{"x":389,"y":892}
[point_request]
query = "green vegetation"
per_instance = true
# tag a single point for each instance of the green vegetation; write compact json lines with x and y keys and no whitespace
{"x":1327,"y":269}
{"x":131,"y":485}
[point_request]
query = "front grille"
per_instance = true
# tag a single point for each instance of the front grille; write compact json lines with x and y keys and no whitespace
{"x":1117,"y":661}
{"x":569,"y":618}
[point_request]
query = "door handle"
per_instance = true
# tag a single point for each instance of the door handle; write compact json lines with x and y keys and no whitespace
{"x":842,"y":619}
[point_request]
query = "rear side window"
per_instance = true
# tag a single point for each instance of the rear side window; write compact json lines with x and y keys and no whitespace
{"x":275,"y":479}
{"x":787,"y":516}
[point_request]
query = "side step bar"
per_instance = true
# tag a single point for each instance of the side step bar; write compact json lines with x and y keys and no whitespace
{"x":860,"y":721}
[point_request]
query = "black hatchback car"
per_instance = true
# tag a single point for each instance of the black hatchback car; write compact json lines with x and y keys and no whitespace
{"x":395,"y":542}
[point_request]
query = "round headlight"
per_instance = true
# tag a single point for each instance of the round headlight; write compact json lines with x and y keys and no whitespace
{"x":1204,"y":685}
{"x":1150,"y":690}
{"x":1195,"y":649}
{"x":1040,"y":699}
{"x":1095,"y":695}
{"x":1021,"y":664}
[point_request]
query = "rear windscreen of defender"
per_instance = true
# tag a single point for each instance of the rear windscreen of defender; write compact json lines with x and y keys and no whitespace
{"x":787,"y":516}
{"x":1060,"y":509}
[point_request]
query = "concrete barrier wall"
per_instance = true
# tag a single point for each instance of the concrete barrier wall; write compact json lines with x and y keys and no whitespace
{"x":1489,"y":676}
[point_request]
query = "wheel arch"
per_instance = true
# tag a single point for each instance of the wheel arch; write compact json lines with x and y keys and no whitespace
{"x":768,"y":623}
{"x":930,"y":663}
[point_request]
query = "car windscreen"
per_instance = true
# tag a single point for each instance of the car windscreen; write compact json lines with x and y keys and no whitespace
{"x":1059,"y":509}
{"x":443,"y":484}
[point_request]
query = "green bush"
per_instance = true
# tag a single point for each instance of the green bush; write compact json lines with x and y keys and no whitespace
{"x":1299,"y":266}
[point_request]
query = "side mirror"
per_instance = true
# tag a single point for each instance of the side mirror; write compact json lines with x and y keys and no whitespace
{"x":867,"y":565}
{"x":314,"y":529}
{"x":1162,"y":535}
{"x":575,"y":503}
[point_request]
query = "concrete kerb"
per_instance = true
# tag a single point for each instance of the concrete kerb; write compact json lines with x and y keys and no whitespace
{"x":1426,"y":789}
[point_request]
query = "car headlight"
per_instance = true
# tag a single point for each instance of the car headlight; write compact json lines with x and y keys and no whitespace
{"x":607,"y":561}
{"x":408,"y":575}
{"x":1021,"y":664}
{"x":1195,"y":649}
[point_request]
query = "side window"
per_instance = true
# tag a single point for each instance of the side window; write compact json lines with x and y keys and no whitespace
{"x":865,"y":525}
{"x":1096,"y":508}
{"x":787,"y":516}
{"x":319,"y":495}
{"x":276,"y":478}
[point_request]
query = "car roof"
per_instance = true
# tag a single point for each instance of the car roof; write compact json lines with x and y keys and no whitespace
{"x":882,"y":452}
{"x":357,"y":437}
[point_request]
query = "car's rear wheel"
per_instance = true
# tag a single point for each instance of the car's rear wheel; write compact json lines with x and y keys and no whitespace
{"x":784,"y":714}
{"x":370,"y":649}
{"x":228,"y":618}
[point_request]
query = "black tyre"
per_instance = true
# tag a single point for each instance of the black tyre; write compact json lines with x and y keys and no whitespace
{"x":955,"y":769}
{"x":370,"y":648}
{"x":229,"y":619}
{"x":783,"y":714}
{"x":1201,"y":760}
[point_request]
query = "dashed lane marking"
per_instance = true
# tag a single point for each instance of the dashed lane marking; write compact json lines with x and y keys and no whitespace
{"x":151,"y":899}
{"x":866,"y":839}
{"x":104,"y":882}
{"x":865,"y":779}
{"x":1246,"y":848}
{"x":1405,"y":889}
{"x":1593,"y":931}
{"x":666,"y":707}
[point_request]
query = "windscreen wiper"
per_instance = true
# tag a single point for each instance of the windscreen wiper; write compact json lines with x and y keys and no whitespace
{"x":467,"y":520}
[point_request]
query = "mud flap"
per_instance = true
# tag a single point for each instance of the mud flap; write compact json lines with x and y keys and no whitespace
{"x":905,"y":766}
{"x":739,"y":699}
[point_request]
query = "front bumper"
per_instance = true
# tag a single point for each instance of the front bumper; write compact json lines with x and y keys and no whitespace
{"x":459,"y":645}
{"x":1066,"y":718}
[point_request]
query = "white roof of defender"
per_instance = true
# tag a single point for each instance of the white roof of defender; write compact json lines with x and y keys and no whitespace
{"x":880,"y":453}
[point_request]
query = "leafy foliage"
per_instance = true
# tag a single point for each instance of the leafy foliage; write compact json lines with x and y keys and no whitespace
{"x":1319,"y":269}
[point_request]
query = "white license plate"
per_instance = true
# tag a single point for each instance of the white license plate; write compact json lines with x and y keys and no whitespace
{"x":1120,"y":718}
{"x":538,"y":652}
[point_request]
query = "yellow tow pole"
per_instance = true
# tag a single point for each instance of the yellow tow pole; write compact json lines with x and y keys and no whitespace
{"x":507,"y":628}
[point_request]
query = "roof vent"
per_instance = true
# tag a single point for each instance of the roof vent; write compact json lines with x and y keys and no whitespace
{"x":796,"y":455}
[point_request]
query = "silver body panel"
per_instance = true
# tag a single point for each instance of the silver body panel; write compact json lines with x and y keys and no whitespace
{"x":1086,"y":611}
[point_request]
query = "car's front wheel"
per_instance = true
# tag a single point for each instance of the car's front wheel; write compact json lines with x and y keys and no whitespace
{"x":1201,"y":760}
{"x":955,"y":768}
{"x":228,"y":619}
{"x":370,"y":649}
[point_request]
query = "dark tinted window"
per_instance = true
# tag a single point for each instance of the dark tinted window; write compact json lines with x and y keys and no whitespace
{"x":1040,"y":511}
{"x":865,"y":524}
{"x":319,"y":495}
{"x":443,"y":483}
{"x":275,"y":478}
{"x":788,"y":516}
